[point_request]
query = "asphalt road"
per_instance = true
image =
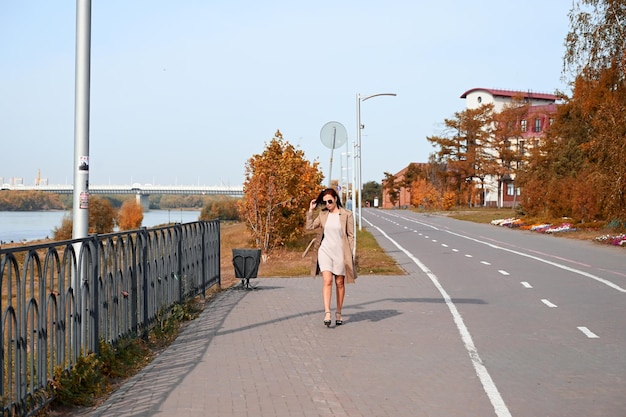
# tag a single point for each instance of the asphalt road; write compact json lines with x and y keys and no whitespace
{"x":541,"y":318}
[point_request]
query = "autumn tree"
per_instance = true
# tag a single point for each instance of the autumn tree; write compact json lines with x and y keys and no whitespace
{"x":597,"y":38}
{"x":278,"y":186}
{"x":223,"y":208}
{"x":412,"y":174}
{"x":596,"y":53}
{"x":102,"y":215}
{"x":101,"y":219}
{"x":130,"y":215}
{"x":392,"y":187}
{"x":463,"y":148}
{"x":547,"y":176}
{"x":64,"y":230}
{"x":425,"y":195}
{"x":579,"y":171}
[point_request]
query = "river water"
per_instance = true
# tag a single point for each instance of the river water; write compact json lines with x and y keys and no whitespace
{"x":32,"y":225}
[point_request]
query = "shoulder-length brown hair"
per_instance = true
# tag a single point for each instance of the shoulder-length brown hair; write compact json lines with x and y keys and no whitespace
{"x":328,"y":191}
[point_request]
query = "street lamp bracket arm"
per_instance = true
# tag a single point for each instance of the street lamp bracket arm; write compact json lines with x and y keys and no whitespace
{"x":377,"y":95}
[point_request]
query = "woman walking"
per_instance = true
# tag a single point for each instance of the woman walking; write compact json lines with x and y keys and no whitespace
{"x":332,"y":254}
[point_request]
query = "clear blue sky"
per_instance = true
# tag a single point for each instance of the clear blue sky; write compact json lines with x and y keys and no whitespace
{"x":185,"y":92}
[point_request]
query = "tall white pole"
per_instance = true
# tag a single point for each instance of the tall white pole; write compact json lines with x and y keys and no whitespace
{"x":353,"y":196}
{"x":81,"y":120}
{"x":359,"y":126}
{"x":358,"y":158}
{"x":81,"y":150}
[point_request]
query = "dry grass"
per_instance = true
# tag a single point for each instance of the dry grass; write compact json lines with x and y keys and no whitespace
{"x":480,"y":215}
{"x":288,"y":261}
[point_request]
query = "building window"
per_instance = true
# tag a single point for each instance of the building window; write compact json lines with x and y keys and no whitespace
{"x":537,"y":125}
{"x":510,"y":188}
{"x":524,"y":125}
{"x":522,"y":148}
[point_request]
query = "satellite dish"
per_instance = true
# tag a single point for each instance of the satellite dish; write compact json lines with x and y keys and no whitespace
{"x":333,"y":135}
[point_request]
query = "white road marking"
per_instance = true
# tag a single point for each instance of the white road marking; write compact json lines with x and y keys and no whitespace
{"x":468,"y":256}
{"x":588,"y":333}
{"x":444,"y":245}
{"x":525,"y":284}
{"x":561,"y":266}
{"x":455,"y":250}
{"x":481,"y":370}
{"x":503,"y":272}
{"x":536,"y":258}
{"x":548,"y":303}
{"x":485,"y":263}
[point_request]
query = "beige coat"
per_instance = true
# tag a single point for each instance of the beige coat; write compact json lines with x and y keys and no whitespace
{"x":347,"y":226}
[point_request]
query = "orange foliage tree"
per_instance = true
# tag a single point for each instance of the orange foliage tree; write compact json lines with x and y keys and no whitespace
{"x":278,"y":186}
{"x":579,"y":170}
{"x":464,"y":151}
{"x":102,"y":215}
{"x":130,"y":215}
{"x":101,"y":219}
{"x":425,"y":195}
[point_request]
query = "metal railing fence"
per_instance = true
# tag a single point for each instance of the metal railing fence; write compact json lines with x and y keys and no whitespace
{"x":59,"y":299}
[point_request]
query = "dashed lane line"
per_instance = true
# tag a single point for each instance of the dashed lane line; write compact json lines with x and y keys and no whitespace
{"x":526,"y":255}
{"x":548,"y":303}
{"x":588,"y":333}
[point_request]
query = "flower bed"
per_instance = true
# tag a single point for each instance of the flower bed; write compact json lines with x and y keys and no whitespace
{"x":508,"y":222}
{"x":616,"y":240}
{"x":564,"y":227}
{"x":619,"y":240}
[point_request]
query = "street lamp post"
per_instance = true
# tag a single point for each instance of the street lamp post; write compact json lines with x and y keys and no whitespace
{"x":357,"y":152}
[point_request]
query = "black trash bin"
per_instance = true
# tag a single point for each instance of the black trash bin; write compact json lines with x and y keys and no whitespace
{"x":246,"y":263}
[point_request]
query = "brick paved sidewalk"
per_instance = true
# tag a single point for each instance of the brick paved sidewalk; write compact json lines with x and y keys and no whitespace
{"x":265,"y":352}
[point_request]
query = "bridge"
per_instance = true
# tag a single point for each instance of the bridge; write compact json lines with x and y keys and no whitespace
{"x":142,"y":191}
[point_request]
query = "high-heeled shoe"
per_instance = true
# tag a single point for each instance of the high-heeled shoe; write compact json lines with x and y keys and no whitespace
{"x":338,"y":321}
{"x":327,"y":319}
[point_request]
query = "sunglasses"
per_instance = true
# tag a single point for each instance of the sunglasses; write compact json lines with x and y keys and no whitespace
{"x":328,"y":202}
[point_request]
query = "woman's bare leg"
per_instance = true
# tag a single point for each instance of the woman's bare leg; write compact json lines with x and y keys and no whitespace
{"x":327,"y":289}
{"x":341,"y":292}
